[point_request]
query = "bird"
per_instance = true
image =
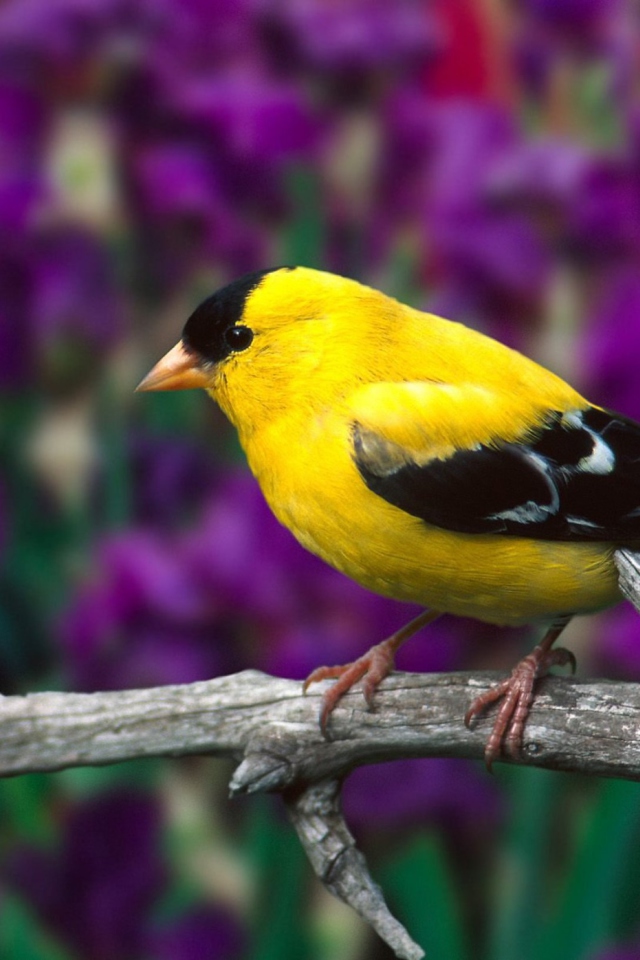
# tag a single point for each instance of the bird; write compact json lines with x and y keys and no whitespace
{"x":423,"y":459}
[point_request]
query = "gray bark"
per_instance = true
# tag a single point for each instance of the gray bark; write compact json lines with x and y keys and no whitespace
{"x":271,"y":728}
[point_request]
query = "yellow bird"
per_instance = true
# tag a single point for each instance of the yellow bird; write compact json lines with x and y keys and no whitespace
{"x":423,"y":459}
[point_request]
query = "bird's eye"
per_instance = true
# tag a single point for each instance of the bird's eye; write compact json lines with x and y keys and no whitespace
{"x":238,"y":337}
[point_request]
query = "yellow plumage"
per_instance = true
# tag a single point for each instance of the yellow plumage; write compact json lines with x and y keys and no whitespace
{"x":329,"y":351}
{"x":424,"y":460}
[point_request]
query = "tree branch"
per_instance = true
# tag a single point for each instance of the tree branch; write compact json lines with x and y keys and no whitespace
{"x":578,"y":725}
{"x":271,"y":728}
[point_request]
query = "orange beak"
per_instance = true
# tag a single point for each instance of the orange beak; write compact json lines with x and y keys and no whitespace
{"x":178,"y":370}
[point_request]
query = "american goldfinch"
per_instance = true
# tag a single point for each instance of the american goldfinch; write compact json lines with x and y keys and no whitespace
{"x":423,"y":459}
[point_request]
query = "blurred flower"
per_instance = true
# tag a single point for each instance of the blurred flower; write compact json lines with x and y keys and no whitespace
{"x":250,"y":116}
{"x":207,"y":179}
{"x":80,"y":164}
{"x":252,"y":128}
{"x":75,"y":296}
{"x":23,"y":124}
{"x":472,"y":59}
{"x":140,"y":621}
{"x":540,"y":176}
{"x":174,"y":180}
{"x":554,"y":40}
{"x":440,"y":170}
{"x":350,"y":41}
{"x":295,"y":611}
{"x":171,"y":478}
{"x":97,"y":891}
{"x":67,"y":46}
{"x":185,"y":217}
{"x":406,"y":792}
{"x":616,"y":648}
{"x":605,"y":221}
{"x":484,"y":254}
{"x":499,"y":259}
{"x":550,"y":29}
{"x":233,"y":591}
{"x":60,"y":307}
{"x":205,"y":932}
{"x":62,"y":451}
{"x":611,"y":344}
{"x":573,"y":15}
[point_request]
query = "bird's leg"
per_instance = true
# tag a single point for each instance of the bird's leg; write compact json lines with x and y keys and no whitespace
{"x":516,"y":693}
{"x":376,"y":664}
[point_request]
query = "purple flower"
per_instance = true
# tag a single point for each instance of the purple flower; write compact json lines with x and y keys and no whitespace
{"x":184,"y":214}
{"x":175,"y":180}
{"x":617,"y":646}
{"x":550,"y":35}
{"x":251,"y":116}
{"x":403,"y":793}
{"x":480,"y":245}
{"x":74,"y":290}
{"x":57,"y":42}
{"x":251,"y":128}
{"x":204,"y":932}
{"x":96,"y":890}
{"x":206,"y":170}
{"x":572,"y":14}
{"x":171,"y":478}
{"x":500,"y":257}
{"x":356,"y":37}
{"x":467,"y":140}
{"x":297,"y":611}
{"x":605,"y":222}
{"x":583,"y":26}
{"x":194,"y":37}
{"x":23,"y":123}
{"x":547,"y":173}
{"x":233,"y":591}
{"x":141,"y":621}
{"x":611,"y":343}
{"x":58,"y":303}
{"x":444,"y":164}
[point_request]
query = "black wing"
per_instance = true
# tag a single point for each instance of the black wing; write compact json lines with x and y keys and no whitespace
{"x":577,"y":479}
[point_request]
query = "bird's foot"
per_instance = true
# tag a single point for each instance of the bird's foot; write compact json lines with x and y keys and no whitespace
{"x":372,"y":667}
{"x":516,"y":694}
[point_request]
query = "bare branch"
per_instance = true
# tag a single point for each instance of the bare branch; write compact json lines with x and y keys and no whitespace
{"x":586,"y":726}
{"x":317,"y":817}
{"x":272,"y":729}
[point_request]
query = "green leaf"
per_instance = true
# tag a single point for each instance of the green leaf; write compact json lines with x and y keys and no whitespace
{"x":419,"y":882}
{"x":25,"y":809}
{"x":520,"y":874}
{"x":304,"y":241}
{"x":282,"y":871}
{"x":587,"y":910}
{"x":21,"y":938}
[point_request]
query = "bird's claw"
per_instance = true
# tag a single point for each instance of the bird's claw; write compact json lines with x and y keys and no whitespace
{"x":376,"y":664}
{"x":516,"y":694}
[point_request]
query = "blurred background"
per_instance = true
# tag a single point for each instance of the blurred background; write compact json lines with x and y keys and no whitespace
{"x":478,"y":158}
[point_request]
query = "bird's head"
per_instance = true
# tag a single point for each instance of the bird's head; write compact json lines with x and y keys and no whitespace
{"x":270,"y":339}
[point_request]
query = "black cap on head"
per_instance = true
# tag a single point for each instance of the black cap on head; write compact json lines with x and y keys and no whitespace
{"x":206,"y":330}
